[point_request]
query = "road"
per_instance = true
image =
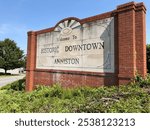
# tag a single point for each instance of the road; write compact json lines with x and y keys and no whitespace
{"x":6,"y":80}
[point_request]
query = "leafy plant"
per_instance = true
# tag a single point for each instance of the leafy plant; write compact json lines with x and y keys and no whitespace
{"x":142,"y":82}
{"x":148,"y":57}
{"x":131,"y":98}
{"x":17,"y":85}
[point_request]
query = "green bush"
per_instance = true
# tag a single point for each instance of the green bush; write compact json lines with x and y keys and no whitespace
{"x":142,"y":82}
{"x":17,"y":85}
{"x":131,"y":98}
{"x":148,"y":57}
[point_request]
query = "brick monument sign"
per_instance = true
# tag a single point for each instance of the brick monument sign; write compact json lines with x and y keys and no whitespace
{"x":106,"y":49}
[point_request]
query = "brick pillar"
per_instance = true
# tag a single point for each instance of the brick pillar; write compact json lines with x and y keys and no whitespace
{"x":31,"y":54}
{"x":140,"y":25}
{"x":126,"y":42}
{"x":131,"y":41}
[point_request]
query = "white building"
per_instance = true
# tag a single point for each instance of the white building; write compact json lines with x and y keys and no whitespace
{"x":14,"y":71}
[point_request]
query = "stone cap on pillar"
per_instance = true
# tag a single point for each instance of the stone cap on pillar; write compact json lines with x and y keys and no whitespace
{"x":131,"y":6}
{"x":141,"y":6}
{"x":31,"y":33}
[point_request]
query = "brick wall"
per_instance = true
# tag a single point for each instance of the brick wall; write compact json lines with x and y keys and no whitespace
{"x":130,"y":52}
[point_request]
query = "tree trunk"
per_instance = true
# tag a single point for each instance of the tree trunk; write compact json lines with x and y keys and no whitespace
{"x":5,"y":71}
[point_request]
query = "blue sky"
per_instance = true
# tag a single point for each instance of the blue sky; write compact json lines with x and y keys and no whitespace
{"x":17,"y":17}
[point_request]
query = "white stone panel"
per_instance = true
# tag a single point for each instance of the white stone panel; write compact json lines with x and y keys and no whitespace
{"x":88,"y":47}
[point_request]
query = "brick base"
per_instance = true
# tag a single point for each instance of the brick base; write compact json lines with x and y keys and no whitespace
{"x":73,"y":80}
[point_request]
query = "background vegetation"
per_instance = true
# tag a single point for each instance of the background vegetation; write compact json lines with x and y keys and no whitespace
{"x":132,"y":98}
{"x":11,"y":56}
{"x":148,"y":57}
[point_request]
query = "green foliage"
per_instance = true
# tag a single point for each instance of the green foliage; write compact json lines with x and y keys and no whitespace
{"x":17,"y":85}
{"x":148,"y":57}
{"x":56,"y":99}
{"x":11,"y":56}
{"x":142,"y":82}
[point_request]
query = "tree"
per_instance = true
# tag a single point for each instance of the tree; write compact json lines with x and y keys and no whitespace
{"x":148,"y":57}
{"x":11,"y":56}
{"x":24,"y":62}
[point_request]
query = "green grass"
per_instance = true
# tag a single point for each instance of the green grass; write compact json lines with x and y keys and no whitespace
{"x":131,"y":98}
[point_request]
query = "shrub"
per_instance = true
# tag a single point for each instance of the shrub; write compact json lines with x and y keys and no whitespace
{"x":148,"y":57}
{"x":131,"y":98}
{"x":17,"y":85}
{"x":142,"y":82}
